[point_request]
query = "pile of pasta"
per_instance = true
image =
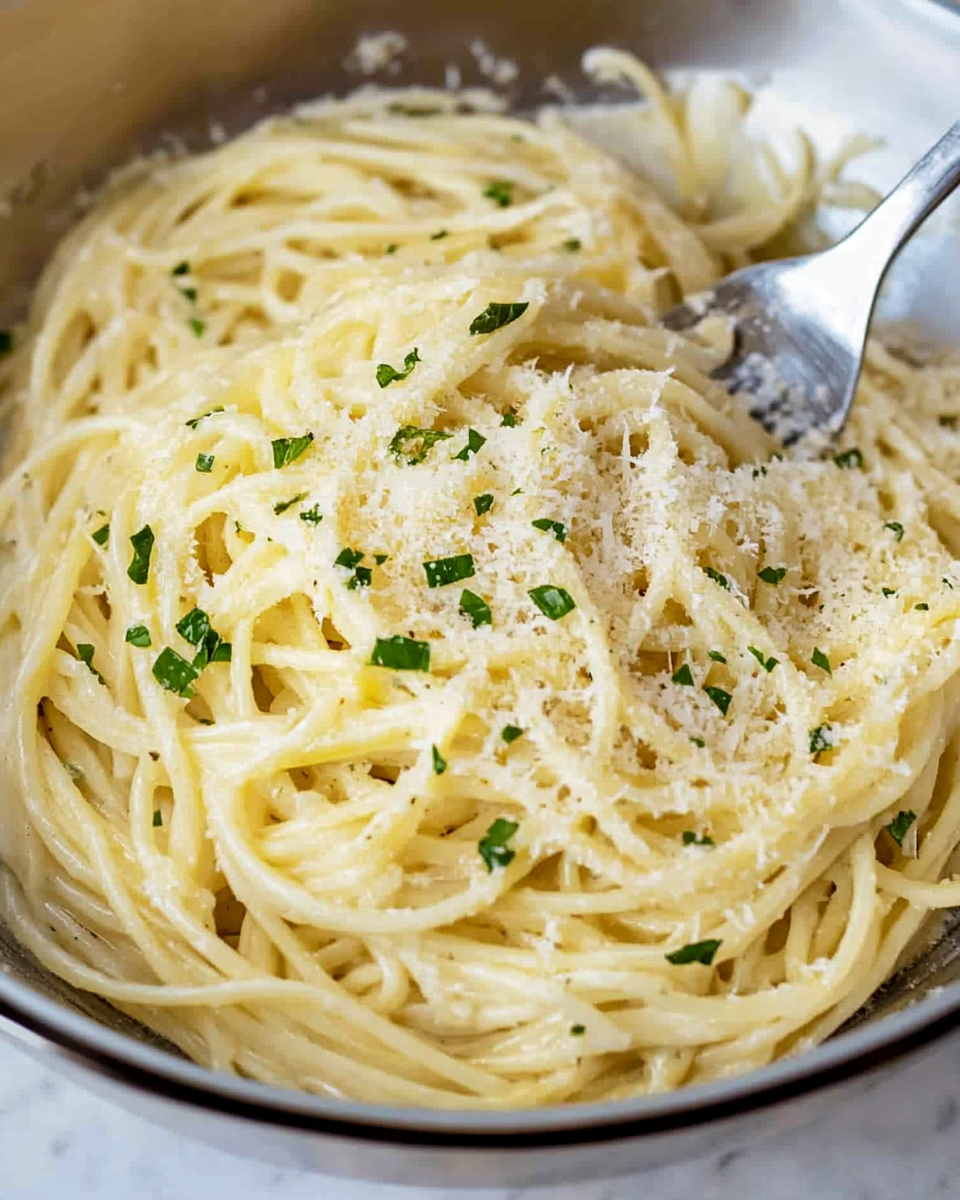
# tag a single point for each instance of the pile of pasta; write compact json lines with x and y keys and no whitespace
{"x":424,"y":684}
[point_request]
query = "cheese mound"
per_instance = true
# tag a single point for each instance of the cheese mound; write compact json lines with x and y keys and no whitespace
{"x":424,"y":683}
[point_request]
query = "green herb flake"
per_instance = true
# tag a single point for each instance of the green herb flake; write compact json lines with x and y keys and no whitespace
{"x":348,"y":558}
{"x":698,"y":741}
{"x":899,"y":827}
{"x":500,"y":192}
{"x":101,"y":536}
{"x":194,"y":627}
{"x":138,"y":635}
{"x":439,"y":762}
{"x":849,"y":460}
{"x":6,"y":342}
{"x":495,"y":316}
{"x":475,"y":441}
{"x":142,"y":542}
{"x":195,"y":421}
{"x":716,"y":656}
{"x":895,"y":528}
{"x":288,"y":450}
{"x":439,"y":235}
{"x":553,"y":602}
{"x":510,"y":733}
{"x":387,"y":374}
{"x":767,"y":663}
{"x":361,"y":578}
{"x":476,"y":608}
{"x":684,"y":677}
{"x":946,"y":583}
{"x":412,"y":445}
{"x":392,"y":248}
{"x":694,"y":839}
{"x":695,"y":952}
{"x":577,"y":1030}
{"x":888,"y":592}
{"x":401,"y":654}
{"x":444,"y":571}
{"x":312,"y":516}
{"x":182,"y":268}
{"x":921,"y":607}
{"x":283,"y":505}
{"x":85,"y":653}
{"x":197,"y":327}
{"x":722,"y":580}
{"x":773,"y":575}
{"x":493,"y":845}
{"x":157,"y":818}
{"x":174,"y":673}
{"x":720,"y":698}
{"x":483,"y":503}
{"x":380,"y":559}
{"x":558,"y":529}
{"x":572,"y":245}
{"x":205,"y":463}
{"x":820,"y":660}
{"x":821,"y":739}
{"x":509,"y":419}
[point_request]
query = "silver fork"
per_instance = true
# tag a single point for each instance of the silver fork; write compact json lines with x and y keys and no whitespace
{"x":801,"y":324}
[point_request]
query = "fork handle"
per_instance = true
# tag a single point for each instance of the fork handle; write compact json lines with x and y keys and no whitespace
{"x":891,"y":225}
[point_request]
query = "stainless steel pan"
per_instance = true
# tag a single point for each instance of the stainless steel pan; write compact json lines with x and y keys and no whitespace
{"x":86,"y":83}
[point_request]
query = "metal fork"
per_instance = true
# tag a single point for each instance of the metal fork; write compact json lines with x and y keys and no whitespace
{"x":801,"y":324}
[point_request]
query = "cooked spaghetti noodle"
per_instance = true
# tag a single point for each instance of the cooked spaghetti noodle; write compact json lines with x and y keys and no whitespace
{"x":423,"y":683}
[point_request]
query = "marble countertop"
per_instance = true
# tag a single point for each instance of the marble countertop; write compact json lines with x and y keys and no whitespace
{"x":900,"y":1142}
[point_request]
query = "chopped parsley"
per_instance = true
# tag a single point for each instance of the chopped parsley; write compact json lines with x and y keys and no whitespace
{"x":443,"y":571}
{"x":921,"y":607}
{"x":946,"y":582}
{"x":474,"y":443}
{"x":312,"y":516}
{"x":361,"y":578}
{"x":483,"y":503}
{"x":351,"y":559}
{"x":282,"y":505}
{"x":138,"y":635}
{"x":348,"y":558}
{"x":717,"y":656}
{"x":157,"y":818}
{"x":500,"y":192}
{"x":695,"y":952}
{"x":895,"y":528}
{"x":392,"y":248}
{"x":684,"y":677}
{"x":723,"y":581}
{"x":439,"y":762}
{"x":720,"y":698}
{"x":767,"y":663}
{"x":820,"y":660}
{"x":195,"y":421}
{"x":380,"y":559}
{"x":142,"y":542}
{"x":888,"y":592}
{"x":85,"y":653}
{"x":558,"y":529}
{"x":493,"y":845}
{"x":495,"y":316}
{"x":387,"y":374}
{"x":509,"y":419}
{"x":195,"y":628}
{"x":476,"y":608}
{"x":510,"y":733}
{"x":572,"y":245}
{"x":698,"y":741}
{"x":174,"y":673}
{"x":197,"y":326}
{"x":412,"y":445}
{"x":288,"y":450}
{"x":6,"y":342}
{"x":849,"y":460}
{"x":694,"y":839}
{"x":182,"y":268}
{"x":773,"y":575}
{"x":899,"y":827}
{"x":101,"y":535}
{"x":821,"y":739}
{"x":577,"y":1030}
{"x":439,"y":235}
{"x":205,"y":463}
{"x":401,"y":654}
{"x":553,"y":602}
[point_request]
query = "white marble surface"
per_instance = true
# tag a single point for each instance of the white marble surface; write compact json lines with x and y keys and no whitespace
{"x":901,"y":1142}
